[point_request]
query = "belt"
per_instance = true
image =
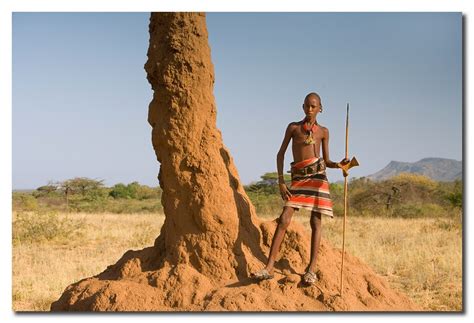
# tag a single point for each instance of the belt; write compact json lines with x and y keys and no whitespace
{"x":310,"y":169}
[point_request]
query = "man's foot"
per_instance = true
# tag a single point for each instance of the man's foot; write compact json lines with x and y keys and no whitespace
{"x":262,"y":274}
{"x":310,"y":277}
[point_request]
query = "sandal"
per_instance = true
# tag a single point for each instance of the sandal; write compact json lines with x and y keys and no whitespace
{"x":310,"y":277}
{"x":262,"y":274}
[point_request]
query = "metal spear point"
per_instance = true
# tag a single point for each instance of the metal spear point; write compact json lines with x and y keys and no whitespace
{"x":345,"y":170}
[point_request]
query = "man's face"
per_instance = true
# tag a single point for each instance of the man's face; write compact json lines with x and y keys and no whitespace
{"x":311,"y":106}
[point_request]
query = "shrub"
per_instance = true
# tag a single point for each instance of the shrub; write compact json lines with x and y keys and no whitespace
{"x":454,"y":194}
{"x":96,"y":195}
{"x":134,"y":191}
{"x":45,"y":190}
{"x":127,"y":206}
{"x":265,"y":203}
{"x":40,"y":226}
{"x":407,"y":211}
{"x":433,"y":210}
{"x":80,"y":185}
{"x":119,"y":191}
{"x":411,"y":210}
{"x":144,"y":192}
{"x":417,"y":180}
{"x":24,"y":202}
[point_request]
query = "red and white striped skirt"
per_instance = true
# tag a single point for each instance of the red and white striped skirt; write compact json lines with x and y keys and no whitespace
{"x":310,"y":191}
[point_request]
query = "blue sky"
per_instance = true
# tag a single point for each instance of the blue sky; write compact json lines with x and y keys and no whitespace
{"x":80,"y":94}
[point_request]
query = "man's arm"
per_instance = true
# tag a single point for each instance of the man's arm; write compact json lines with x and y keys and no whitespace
{"x":281,"y":152}
{"x":329,"y":163}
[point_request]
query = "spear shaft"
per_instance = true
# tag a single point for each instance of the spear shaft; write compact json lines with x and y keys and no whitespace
{"x":345,"y":204}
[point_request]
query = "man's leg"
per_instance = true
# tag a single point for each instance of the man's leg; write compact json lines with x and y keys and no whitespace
{"x":283,"y":223}
{"x":316,"y":226}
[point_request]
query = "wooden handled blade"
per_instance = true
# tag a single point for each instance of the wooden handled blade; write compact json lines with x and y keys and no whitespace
{"x":345,"y":168}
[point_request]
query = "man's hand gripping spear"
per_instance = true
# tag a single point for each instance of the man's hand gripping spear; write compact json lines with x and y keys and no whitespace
{"x":345,"y":166}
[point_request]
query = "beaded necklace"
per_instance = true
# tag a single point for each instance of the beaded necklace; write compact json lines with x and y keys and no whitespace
{"x":309,"y":131}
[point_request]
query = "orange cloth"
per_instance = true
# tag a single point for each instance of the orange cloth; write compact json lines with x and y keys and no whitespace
{"x":311,"y":191}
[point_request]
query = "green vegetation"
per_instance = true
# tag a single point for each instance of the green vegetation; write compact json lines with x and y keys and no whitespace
{"x":29,"y":227}
{"x":406,"y":196}
{"x":92,"y":226}
{"x":265,"y":194}
{"x":82,"y":194}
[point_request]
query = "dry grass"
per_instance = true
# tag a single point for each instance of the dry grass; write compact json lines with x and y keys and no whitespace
{"x":42,"y":270}
{"x":421,"y":257}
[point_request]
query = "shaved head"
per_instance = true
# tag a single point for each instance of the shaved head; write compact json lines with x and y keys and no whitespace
{"x":312,"y":94}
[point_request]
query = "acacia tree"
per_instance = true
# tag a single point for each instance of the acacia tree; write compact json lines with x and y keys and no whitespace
{"x":83,"y":184}
{"x":80,"y":185}
{"x":46,"y":190}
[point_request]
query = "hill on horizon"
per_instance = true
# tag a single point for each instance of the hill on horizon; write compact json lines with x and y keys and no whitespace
{"x":439,"y":169}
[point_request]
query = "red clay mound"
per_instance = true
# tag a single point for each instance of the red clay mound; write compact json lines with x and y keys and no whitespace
{"x":211,"y":238}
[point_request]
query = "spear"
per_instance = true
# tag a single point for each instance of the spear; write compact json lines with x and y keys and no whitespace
{"x":345,"y":168}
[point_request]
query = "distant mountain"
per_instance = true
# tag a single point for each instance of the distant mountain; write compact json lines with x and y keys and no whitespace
{"x":439,"y":169}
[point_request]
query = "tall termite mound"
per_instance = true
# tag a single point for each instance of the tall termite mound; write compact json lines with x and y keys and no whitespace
{"x":211,"y":238}
{"x":210,"y":222}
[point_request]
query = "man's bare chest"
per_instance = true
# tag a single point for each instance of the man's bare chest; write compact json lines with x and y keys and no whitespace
{"x":299,"y":136}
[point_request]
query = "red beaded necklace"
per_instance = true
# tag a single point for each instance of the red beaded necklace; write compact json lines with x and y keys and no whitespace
{"x":307,"y":128}
{"x":309,"y":131}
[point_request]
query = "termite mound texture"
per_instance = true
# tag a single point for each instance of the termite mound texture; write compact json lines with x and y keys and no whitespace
{"x":211,"y":238}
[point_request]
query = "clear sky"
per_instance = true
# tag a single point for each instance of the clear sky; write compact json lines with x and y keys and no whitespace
{"x":80,"y":94}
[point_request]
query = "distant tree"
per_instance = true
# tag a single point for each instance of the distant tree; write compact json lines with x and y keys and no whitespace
{"x":268,"y":184}
{"x":144,"y":192}
{"x":455,"y":196}
{"x":119,"y":191}
{"x":415,"y":180}
{"x":65,"y":187}
{"x":45,"y":189}
{"x":272,"y":178}
{"x":81,"y":185}
{"x":133,"y":189}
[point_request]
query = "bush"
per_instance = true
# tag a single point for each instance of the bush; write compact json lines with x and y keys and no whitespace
{"x":96,"y":195}
{"x":407,"y":211}
{"x":455,"y":199}
{"x":134,"y":191}
{"x":40,"y":226}
{"x":266,"y":204}
{"x":128,"y":206}
{"x":419,"y":210}
{"x":454,"y":194}
{"x":119,"y":191}
{"x":24,"y":202}
{"x":433,"y":210}
{"x":45,"y":190}
{"x":81,"y":194}
{"x":144,"y":192}
{"x":416,"y":180}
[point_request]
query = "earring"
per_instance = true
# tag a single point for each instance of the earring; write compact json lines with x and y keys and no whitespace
{"x":321,"y":110}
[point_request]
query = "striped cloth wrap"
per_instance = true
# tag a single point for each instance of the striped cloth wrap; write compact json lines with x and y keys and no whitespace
{"x":310,"y":191}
